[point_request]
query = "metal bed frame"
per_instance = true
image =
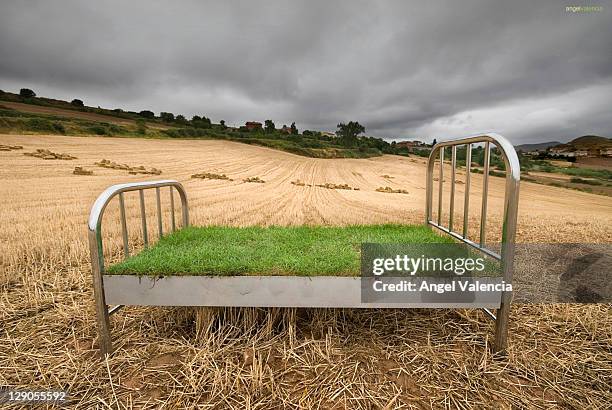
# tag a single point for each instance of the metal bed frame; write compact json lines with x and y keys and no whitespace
{"x":513,"y":177}
{"x":294,"y":291}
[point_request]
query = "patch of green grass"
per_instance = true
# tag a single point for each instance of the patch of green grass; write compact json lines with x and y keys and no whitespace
{"x":585,"y":181}
{"x":13,"y":121}
{"x":301,"y":250}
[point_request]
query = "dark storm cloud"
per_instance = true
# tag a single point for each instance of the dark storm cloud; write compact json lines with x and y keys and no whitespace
{"x":530,"y":70}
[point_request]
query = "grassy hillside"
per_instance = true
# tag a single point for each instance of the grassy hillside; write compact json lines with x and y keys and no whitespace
{"x":37,"y":115}
{"x":588,"y":142}
{"x":537,"y":146}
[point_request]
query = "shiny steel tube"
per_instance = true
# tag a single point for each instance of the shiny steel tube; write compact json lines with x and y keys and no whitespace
{"x":94,"y":235}
{"x":159,"y":213}
{"x":171,"y":190}
{"x":452,"y":192}
{"x":490,"y":314}
{"x":124,"y":232}
{"x":440,"y":185}
{"x":143,"y":217}
{"x":466,"y":199}
{"x":485,"y":194}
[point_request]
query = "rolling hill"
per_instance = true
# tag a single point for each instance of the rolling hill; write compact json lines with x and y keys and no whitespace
{"x":587,"y":142}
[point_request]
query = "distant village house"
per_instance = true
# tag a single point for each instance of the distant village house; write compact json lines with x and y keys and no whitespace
{"x":253,"y":125}
{"x":411,"y":144}
{"x":568,"y":153}
{"x":607,"y":152}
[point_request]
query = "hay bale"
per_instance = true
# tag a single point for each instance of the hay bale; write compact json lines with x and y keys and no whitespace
{"x":255,"y":179}
{"x":49,"y":155}
{"x":389,"y":190}
{"x":81,"y":171}
{"x":208,"y":175}
{"x":329,"y":185}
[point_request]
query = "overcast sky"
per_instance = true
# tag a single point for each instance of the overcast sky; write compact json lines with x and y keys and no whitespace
{"x":529,"y":70}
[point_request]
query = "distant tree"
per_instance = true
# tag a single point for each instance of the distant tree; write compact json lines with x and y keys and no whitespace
{"x":166,"y":116}
{"x":434,"y":142}
{"x":222,"y":122}
{"x":294,"y":129}
{"x":269,"y":126}
{"x":181,"y":119}
{"x":348,"y":133}
{"x":201,"y":122}
{"x":27,"y":93}
{"x":77,"y":103}
{"x":147,"y":114}
{"x":141,"y":126}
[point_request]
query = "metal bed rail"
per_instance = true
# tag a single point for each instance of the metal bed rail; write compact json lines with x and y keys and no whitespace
{"x":95,"y":238}
{"x":513,"y":171}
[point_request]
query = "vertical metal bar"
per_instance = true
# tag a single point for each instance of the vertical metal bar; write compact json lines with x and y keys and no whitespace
{"x":485,"y":192}
{"x":440,"y":183}
{"x":429,"y":187}
{"x":124,"y":232}
{"x":513,"y":172}
{"x":172,"y":208}
{"x":159,"y":214}
{"x":97,"y":270}
{"x":143,"y":216}
{"x":466,"y":199}
{"x":184,"y":205}
{"x":452,"y":192}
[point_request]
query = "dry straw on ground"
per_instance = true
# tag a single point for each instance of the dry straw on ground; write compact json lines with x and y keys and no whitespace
{"x":82,"y":171}
{"x":255,"y":180}
{"x":329,"y":185}
{"x":10,"y":147}
{"x":389,"y":190}
{"x":559,"y":355}
{"x":46,"y":154}
{"x":132,"y":170}
{"x":210,"y":175}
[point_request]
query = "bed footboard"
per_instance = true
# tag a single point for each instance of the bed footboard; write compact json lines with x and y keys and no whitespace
{"x":513,"y":176}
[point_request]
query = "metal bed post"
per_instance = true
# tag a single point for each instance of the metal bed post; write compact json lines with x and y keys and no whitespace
{"x":506,"y":257}
{"x":97,"y":250}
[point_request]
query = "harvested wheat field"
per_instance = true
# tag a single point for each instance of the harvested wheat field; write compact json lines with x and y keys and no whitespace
{"x":559,"y":355}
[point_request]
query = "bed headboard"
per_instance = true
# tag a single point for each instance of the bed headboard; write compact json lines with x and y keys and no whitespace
{"x":95,"y":231}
